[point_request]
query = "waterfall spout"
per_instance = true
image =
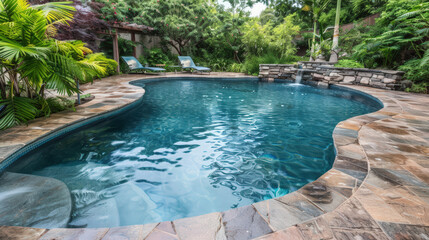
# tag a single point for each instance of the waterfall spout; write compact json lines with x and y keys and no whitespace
{"x":299,"y":76}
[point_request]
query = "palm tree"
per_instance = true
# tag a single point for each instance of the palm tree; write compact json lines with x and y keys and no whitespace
{"x":317,"y":7}
{"x":334,"y":49}
{"x":31,"y":60}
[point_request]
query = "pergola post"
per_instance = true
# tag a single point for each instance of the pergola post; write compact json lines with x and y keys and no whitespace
{"x":116,"y":50}
{"x":133,"y":38}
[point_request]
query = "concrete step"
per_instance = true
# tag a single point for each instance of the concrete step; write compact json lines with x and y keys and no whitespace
{"x":33,"y":201}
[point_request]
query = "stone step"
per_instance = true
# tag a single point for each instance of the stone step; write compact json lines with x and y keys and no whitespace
{"x":33,"y":201}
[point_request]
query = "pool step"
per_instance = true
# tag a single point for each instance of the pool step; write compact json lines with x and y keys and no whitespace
{"x":33,"y":201}
{"x":101,"y":214}
{"x":131,"y":199}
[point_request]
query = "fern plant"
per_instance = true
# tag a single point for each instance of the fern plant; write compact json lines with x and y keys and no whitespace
{"x":405,"y":36}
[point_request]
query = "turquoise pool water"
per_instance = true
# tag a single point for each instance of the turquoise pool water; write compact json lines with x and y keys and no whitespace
{"x":194,"y":147}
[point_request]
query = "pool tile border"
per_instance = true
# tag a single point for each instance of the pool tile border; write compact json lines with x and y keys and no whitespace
{"x":378,"y":186}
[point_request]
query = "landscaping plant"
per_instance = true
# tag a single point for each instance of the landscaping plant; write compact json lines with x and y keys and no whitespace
{"x":33,"y":61}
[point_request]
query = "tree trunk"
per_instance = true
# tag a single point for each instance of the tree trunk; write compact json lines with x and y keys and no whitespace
{"x":314,"y":40}
{"x":334,"y":50}
{"x":2,"y":87}
{"x":42,"y":91}
{"x":13,"y":76}
{"x":175,"y":47}
{"x":236,"y":57}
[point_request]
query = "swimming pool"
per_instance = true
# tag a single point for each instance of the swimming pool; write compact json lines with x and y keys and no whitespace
{"x":196,"y":146}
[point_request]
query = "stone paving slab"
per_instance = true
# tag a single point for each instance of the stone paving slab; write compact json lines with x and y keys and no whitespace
{"x":378,"y":187}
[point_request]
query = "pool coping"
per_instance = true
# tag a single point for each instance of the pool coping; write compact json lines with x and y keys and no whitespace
{"x":374,"y":163}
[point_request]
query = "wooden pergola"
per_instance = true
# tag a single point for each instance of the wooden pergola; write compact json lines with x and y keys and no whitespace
{"x":117,"y":28}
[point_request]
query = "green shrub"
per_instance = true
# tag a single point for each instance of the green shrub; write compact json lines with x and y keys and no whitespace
{"x":236,"y":67}
{"x":251,"y":65}
{"x":108,"y":65}
{"x":419,"y":88}
{"x":58,"y":104}
{"x":156,"y":56}
{"x":416,"y":70}
{"x":348,"y":63}
{"x":85,"y":95}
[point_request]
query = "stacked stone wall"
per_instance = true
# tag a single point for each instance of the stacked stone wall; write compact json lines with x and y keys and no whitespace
{"x":324,"y":73}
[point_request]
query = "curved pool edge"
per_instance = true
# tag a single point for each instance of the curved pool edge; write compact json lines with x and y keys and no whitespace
{"x":323,"y":202}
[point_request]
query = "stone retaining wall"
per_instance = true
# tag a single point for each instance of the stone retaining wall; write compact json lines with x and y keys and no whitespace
{"x":324,"y":73}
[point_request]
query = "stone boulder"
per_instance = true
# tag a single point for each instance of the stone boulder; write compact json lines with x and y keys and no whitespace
{"x":33,"y":201}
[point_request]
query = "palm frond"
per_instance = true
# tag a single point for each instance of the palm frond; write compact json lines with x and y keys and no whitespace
{"x":18,"y":110}
{"x":57,"y":11}
{"x":13,"y":50}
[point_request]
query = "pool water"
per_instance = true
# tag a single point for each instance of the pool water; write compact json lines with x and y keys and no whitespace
{"x":194,"y":147}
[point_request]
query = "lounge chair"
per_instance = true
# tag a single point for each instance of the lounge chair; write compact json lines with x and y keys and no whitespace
{"x":187,"y":63}
{"x":135,"y":65}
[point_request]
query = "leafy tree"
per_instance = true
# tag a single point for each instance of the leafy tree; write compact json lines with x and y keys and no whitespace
{"x":283,"y":35}
{"x":85,"y":26}
{"x":228,"y":26}
{"x":279,"y":39}
{"x":268,"y":15}
{"x":180,"y":23}
{"x":257,"y":38}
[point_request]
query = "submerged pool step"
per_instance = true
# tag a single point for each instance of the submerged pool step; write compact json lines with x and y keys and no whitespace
{"x":101,"y":214}
{"x":131,"y":199}
{"x":98,"y":199}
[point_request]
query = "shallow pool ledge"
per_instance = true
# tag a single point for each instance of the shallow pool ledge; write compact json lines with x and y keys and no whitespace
{"x":378,"y":187}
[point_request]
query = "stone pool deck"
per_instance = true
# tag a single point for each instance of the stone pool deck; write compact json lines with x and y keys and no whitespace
{"x":378,"y":187}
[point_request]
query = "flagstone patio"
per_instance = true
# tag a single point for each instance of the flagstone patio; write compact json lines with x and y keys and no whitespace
{"x":378,"y":187}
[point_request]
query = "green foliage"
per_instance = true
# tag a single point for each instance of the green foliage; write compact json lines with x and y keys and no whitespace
{"x":31,"y":60}
{"x":85,"y":95}
{"x":156,"y":56}
{"x":58,"y":104}
{"x":226,"y":38}
{"x":236,"y":67}
{"x":349,"y":63}
{"x":262,"y":38}
{"x":18,"y":110}
{"x":257,"y":38}
{"x":107,"y":66}
{"x":283,"y":35}
{"x":399,"y":40}
{"x":177,"y":22}
{"x":419,"y":88}
{"x":416,"y":70}
{"x":126,"y":47}
{"x":268,"y":15}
